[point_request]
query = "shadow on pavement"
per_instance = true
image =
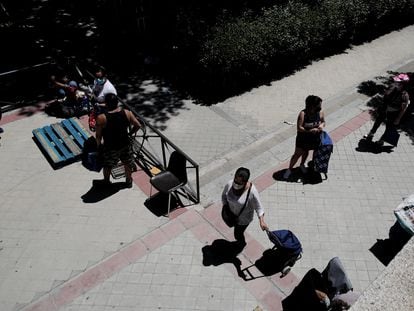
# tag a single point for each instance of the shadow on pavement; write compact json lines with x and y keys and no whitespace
{"x":152,"y":97}
{"x":365,"y":145}
{"x":310,"y":178}
{"x":222,"y":251}
{"x":272,"y":261}
{"x":158,"y":204}
{"x":295,"y":176}
{"x":385,"y":250}
{"x":100,"y":192}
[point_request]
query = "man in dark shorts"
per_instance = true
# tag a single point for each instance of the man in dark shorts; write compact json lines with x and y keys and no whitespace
{"x":112,"y":126}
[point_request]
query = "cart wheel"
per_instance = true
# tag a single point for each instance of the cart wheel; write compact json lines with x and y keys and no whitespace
{"x":286,"y":270}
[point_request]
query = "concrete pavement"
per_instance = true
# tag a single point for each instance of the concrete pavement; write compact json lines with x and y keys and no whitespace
{"x":58,"y":252}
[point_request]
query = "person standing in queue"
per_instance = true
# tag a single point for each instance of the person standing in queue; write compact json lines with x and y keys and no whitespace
{"x":310,"y":124}
{"x":112,"y":126}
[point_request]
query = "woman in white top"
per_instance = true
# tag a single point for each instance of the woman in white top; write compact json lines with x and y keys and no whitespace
{"x":234,"y":195}
{"x":101,"y":87}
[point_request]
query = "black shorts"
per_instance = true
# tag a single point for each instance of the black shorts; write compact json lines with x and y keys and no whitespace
{"x":308,"y":141}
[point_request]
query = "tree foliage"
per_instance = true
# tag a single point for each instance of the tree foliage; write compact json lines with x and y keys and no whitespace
{"x":243,"y":50}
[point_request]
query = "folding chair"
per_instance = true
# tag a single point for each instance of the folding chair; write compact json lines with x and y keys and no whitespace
{"x":172,"y":179}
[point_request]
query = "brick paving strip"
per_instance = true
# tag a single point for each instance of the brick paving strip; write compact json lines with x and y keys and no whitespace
{"x":206,"y":226}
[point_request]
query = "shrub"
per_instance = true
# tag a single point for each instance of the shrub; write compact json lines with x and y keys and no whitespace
{"x":243,"y":50}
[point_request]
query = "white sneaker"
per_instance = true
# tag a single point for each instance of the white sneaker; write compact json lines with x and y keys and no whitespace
{"x":286,"y":175}
{"x":303,"y":168}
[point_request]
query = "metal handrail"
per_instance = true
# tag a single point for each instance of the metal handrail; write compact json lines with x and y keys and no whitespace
{"x":147,"y":159}
{"x":23,"y":69}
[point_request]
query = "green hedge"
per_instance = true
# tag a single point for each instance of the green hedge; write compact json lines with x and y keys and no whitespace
{"x":248,"y":48}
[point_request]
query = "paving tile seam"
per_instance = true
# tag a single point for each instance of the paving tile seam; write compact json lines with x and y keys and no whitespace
{"x":103,"y":270}
{"x":338,"y":135}
{"x":263,"y":287}
{"x":277,"y":135}
{"x":81,"y":283}
{"x":265,"y":180}
{"x":95,"y":275}
{"x":230,"y":160}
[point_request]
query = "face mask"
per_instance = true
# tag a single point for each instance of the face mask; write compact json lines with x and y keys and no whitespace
{"x":237,"y":186}
{"x":100,"y":81}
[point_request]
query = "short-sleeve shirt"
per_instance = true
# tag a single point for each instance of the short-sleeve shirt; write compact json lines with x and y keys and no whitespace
{"x":101,"y":90}
{"x":236,"y":203}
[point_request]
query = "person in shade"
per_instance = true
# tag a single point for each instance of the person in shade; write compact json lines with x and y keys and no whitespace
{"x":234,"y":195}
{"x":101,"y":87}
{"x":310,"y":124}
{"x":396,"y":101}
{"x":113,"y":127}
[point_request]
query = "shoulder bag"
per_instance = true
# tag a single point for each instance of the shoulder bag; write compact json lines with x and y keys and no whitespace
{"x":228,"y":216}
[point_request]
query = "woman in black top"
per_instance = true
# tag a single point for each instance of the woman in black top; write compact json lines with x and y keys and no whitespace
{"x":311,"y":121}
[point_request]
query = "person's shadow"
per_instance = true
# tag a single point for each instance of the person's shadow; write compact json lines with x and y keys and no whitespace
{"x":366,"y":145}
{"x":385,"y":250}
{"x":311,"y":177}
{"x":99,"y":192}
{"x":222,"y":251}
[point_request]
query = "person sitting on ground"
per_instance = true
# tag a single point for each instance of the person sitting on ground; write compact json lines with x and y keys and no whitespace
{"x":71,"y":100}
{"x":310,"y":124}
{"x":395,"y":102}
{"x":112,"y":126}
{"x":101,"y":87}
{"x":57,"y":84}
{"x":312,"y":293}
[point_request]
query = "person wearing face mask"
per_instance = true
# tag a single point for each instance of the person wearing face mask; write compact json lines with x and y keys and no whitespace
{"x":242,"y":198}
{"x":101,"y":87}
{"x":310,"y":124}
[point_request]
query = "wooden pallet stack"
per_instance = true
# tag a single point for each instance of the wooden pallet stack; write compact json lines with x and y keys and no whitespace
{"x":62,"y":142}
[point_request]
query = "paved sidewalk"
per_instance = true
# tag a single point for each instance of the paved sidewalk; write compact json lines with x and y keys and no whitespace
{"x":58,"y":252}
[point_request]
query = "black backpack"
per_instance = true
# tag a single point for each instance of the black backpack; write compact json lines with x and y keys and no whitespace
{"x":91,"y":157}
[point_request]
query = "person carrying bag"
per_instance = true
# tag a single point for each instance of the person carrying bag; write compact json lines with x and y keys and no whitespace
{"x":240,"y":200}
{"x":229,"y":218}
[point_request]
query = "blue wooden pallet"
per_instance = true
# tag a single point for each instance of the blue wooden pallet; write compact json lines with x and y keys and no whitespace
{"x":62,"y":142}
